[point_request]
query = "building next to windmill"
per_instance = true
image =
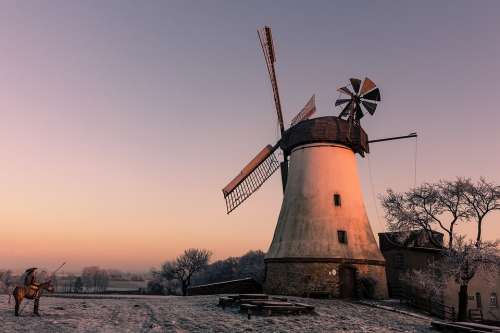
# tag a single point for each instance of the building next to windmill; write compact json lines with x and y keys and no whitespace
{"x":323,"y":242}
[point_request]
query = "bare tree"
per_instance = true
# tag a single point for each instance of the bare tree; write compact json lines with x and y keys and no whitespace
{"x":443,"y":205}
{"x":482,"y":197}
{"x":428,"y":207}
{"x":89,"y":277}
{"x":184,"y":266}
{"x":102,"y":280}
{"x":460,"y":263}
{"x":6,"y":282}
{"x":465,"y":260}
{"x":452,"y":200}
{"x":95,"y":279}
{"x":250,"y":265}
{"x":428,"y":282}
{"x":77,"y":286}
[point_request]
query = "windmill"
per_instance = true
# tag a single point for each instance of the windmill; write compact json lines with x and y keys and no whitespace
{"x":323,"y":240}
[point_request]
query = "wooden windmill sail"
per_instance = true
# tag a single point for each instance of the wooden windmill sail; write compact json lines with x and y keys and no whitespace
{"x":265,"y":163}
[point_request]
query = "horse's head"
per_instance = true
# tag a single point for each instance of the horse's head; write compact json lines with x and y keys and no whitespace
{"x":48,"y":286}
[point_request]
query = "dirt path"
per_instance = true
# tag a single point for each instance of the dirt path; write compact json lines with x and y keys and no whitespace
{"x":195,"y":314}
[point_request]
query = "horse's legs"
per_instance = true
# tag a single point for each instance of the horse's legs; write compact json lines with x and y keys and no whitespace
{"x":35,"y":307}
{"x":18,"y":303}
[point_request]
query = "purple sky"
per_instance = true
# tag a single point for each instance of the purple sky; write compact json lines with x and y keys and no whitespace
{"x":121,"y":121}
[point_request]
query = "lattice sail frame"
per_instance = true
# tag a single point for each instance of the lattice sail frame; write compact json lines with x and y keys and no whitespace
{"x":253,"y":175}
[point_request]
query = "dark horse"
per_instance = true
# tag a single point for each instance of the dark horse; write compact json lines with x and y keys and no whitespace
{"x":33,"y":291}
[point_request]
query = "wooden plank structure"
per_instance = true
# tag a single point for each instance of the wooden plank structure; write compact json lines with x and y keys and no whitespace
{"x":264,"y":305}
{"x":462,"y":327}
{"x":476,"y":315}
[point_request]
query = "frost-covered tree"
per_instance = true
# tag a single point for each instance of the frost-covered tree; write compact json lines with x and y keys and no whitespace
{"x":185,"y":265}
{"x":482,"y":198}
{"x":89,"y":278}
{"x":440,"y":207}
{"x":429,"y":207}
{"x":460,"y":264}
{"x":250,"y":265}
{"x":464,"y":260}
{"x":78,"y":286}
{"x":95,"y":279}
{"x":6,"y":282}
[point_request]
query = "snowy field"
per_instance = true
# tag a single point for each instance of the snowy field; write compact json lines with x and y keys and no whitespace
{"x":194,"y":314}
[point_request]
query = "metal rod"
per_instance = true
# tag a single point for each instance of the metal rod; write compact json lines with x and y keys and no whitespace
{"x":58,"y":268}
{"x":411,"y":135}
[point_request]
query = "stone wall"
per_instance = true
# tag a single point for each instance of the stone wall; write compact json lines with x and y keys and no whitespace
{"x":304,"y":278}
{"x":240,"y":286}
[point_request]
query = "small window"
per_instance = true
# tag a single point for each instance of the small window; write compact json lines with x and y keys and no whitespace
{"x":494,"y":300}
{"x":336,"y":200}
{"x":342,"y":234}
{"x":399,"y":261}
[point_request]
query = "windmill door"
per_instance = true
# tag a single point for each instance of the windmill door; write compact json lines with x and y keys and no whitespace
{"x":347,"y":282}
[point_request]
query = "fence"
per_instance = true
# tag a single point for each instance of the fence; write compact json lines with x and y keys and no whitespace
{"x":415,"y":299}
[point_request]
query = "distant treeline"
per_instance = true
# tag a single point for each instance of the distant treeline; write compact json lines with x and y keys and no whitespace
{"x":249,"y":265}
{"x":92,"y":279}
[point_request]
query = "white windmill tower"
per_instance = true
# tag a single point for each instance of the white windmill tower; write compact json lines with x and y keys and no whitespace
{"x":323,"y":242}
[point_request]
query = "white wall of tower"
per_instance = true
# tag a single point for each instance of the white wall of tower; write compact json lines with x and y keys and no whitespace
{"x":309,"y":221}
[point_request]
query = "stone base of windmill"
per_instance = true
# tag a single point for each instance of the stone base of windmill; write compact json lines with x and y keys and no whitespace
{"x":326,"y":279}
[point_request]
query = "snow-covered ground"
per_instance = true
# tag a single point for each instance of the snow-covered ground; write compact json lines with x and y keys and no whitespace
{"x":194,"y":314}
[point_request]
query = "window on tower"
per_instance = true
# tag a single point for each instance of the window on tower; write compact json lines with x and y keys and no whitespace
{"x":399,"y":261}
{"x":336,"y":200}
{"x":342,"y":234}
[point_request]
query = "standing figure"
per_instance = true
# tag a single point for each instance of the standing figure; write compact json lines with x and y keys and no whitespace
{"x":30,"y":277}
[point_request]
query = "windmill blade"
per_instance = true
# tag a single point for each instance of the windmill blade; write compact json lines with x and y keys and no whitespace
{"x":270,"y":44}
{"x":370,"y":107}
{"x":266,"y":42}
{"x":359,"y":112}
{"x":341,"y":101}
{"x":355,"y":84}
{"x":307,"y":111}
{"x":347,"y":109}
{"x":345,"y":90}
{"x":373,"y":95}
{"x":253,"y":175}
{"x":367,"y":86}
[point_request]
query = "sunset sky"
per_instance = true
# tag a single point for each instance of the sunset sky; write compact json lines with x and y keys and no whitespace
{"x":121,"y":121}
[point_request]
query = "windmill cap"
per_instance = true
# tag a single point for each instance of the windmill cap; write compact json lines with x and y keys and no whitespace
{"x":328,"y":129}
